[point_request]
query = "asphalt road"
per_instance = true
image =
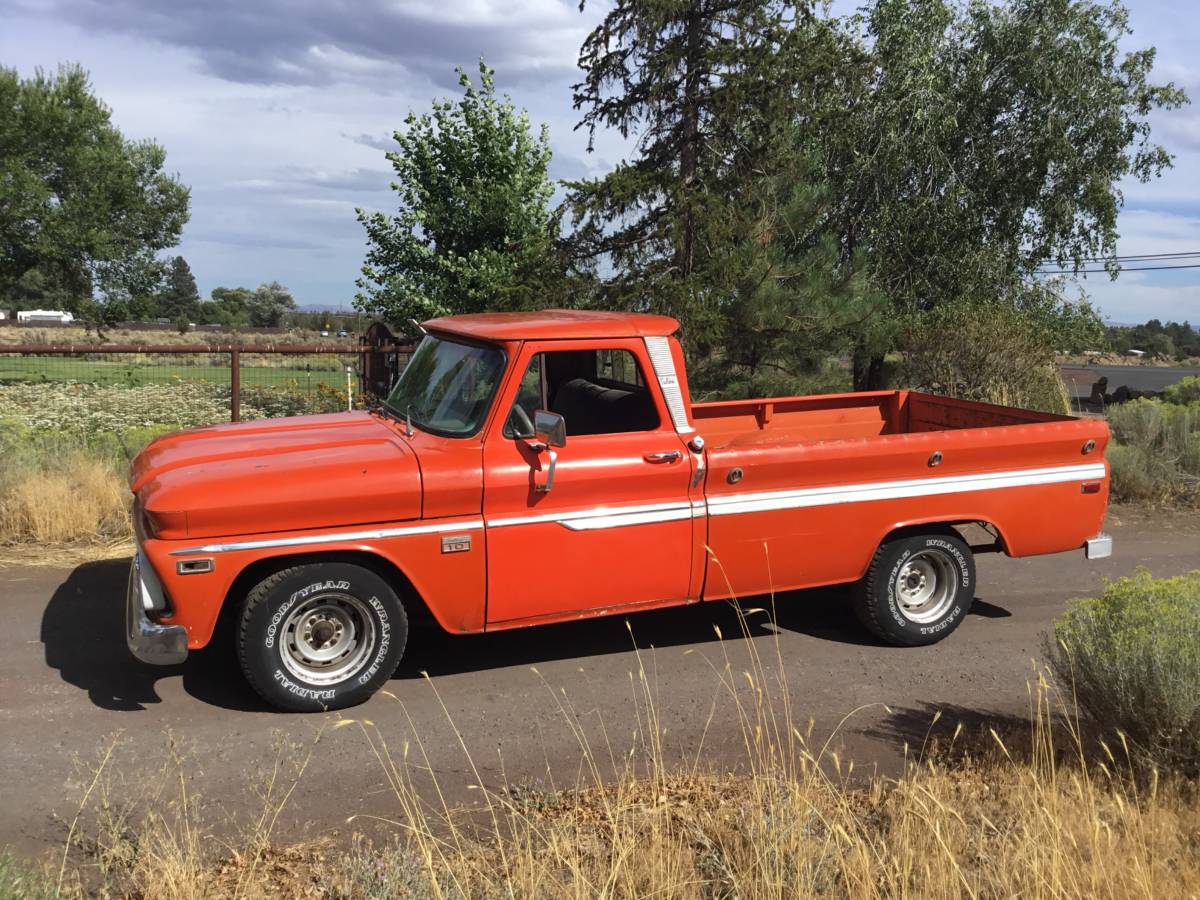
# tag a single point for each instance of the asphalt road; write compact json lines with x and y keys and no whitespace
{"x":68,"y":685}
{"x":1138,"y":378}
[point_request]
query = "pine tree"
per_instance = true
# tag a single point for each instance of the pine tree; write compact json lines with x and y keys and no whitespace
{"x":701,"y":85}
{"x":721,"y":219}
{"x":180,"y":300}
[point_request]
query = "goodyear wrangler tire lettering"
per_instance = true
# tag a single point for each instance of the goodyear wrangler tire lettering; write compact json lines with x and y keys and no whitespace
{"x":917,"y":588}
{"x":321,"y":636}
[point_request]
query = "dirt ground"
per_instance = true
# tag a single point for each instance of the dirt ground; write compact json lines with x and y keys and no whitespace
{"x":68,"y":684}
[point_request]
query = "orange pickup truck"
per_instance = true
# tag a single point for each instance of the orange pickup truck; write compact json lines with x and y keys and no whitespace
{"x":532,"y":468}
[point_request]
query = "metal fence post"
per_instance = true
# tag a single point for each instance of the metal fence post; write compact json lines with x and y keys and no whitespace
{"x":235,"y":386}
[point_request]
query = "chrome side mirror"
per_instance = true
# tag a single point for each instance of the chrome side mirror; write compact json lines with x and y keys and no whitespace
{"x":550,"y":428}
{"x":550,"y":431}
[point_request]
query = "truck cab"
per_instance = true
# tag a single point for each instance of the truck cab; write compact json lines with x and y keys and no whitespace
{"x":531,"y":468}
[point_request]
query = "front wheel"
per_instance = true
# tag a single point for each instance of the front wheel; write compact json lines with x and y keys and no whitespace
{"x":917,"y":589}
{"x":321,"y":636}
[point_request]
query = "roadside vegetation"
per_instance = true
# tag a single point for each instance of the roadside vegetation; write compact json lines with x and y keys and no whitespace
{"x":1155,"y":456}
{"x":1133,"y":657}
{"x":994,"y":353}
{"x":1076,"y":801}
{"x":70,"y":334}
{"x":67,"y":447}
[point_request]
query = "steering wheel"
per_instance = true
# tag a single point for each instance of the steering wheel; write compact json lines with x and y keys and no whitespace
{"x":524,"y":425}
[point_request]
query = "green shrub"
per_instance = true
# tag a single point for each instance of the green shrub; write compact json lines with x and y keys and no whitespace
{"x":1133,"y":656}
{"x":20,"y":880}
{"x":992,"y":352}
{"x":1186,"y":391}
{"x":1157,"y":451}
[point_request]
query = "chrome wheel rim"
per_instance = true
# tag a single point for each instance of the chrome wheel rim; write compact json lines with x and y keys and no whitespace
{"x":926,"y":586}
{"x":327,"y":638}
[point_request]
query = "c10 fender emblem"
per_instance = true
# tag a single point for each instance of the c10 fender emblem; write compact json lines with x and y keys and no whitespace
{"x":456,"y":543}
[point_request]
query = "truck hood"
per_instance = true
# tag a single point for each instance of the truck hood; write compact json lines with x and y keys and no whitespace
{"x":277,"y":475}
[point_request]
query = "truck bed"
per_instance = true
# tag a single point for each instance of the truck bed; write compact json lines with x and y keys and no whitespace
{"x":832,"y":417}
{"x":801,"y":490}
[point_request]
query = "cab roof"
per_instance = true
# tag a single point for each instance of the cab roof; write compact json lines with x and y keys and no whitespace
{"x":551,"y":324}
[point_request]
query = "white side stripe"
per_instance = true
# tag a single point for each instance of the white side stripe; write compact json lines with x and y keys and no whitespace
{"x":733,"y":504}
{"x":307,"y":539}
{"x":598,"y":518}
{"x":595,"y":512}
{"x":594,"y":523}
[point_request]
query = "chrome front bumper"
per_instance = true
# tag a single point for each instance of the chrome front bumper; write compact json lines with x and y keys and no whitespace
{"x":1099,"y":547}
{"x":160,"y":645}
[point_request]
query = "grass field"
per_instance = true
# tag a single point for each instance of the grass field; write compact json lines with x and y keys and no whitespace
{"x":10,"y":334}
{"x":301,"y":372}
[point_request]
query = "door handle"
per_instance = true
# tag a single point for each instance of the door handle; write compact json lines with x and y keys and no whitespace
{"x":663,"y":456}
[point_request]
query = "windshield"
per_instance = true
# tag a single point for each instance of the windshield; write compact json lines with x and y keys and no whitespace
{"x":447,"y":387}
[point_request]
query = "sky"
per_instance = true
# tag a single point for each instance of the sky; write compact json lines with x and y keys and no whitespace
{"x":277,"y":114}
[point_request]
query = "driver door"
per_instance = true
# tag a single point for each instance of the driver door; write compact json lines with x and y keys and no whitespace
{"x":616,"y":528}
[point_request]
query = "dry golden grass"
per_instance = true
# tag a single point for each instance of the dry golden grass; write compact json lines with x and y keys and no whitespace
{"x":1032,"y":815}
{"x":81,"y":499}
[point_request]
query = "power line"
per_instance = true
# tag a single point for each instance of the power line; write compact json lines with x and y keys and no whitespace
{"x":1141,"y":256}
{"x":1119,"y":269}
{"x":1051,"y":268}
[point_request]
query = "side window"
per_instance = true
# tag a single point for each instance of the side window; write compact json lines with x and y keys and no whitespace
{"x":619,"y":369}
{"x":599,"y":392}
{"x":595,"y":391}
{"x":529,"y":398}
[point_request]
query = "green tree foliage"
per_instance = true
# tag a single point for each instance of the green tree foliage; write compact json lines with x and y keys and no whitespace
{"x":697,"y":83}
{"x":228,"y":307}
{"x":179,"y":299}
{"x":1178,"y":339}
{"x":956,"y":147}
{"x":80,"y":205}
{"x":474,"y":230}
{"x":269,"y":304}
{"x":974,"y":143}
{"x":786,"y":303}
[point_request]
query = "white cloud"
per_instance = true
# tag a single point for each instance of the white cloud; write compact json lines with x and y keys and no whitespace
{"x":277,"y":112}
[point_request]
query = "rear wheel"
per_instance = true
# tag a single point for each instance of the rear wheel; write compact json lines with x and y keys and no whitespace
{"x":917,"y":589}
{"x":321,"y":636}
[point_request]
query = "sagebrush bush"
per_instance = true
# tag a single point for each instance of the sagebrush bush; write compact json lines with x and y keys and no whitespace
{"x":1133,"y":657}
{"x":1186,"y":391}
{"x":1157,"y":451}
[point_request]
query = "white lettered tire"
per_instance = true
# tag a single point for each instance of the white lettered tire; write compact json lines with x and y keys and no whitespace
{"x":321,"y":636}
{"x":917,"y":589}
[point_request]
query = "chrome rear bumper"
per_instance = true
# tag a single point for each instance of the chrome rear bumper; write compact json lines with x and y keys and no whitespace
{"x":150,"y":642}
{"x":1099,"y":547}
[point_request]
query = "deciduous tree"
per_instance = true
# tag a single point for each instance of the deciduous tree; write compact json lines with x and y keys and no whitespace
{"x":269,"y":304}
{"x":474,"y":230}
{"x":973,"y":143}
{"x":80,"y":204}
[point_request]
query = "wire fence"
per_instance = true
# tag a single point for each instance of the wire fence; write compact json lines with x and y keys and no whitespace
{"x":122,"y":386}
